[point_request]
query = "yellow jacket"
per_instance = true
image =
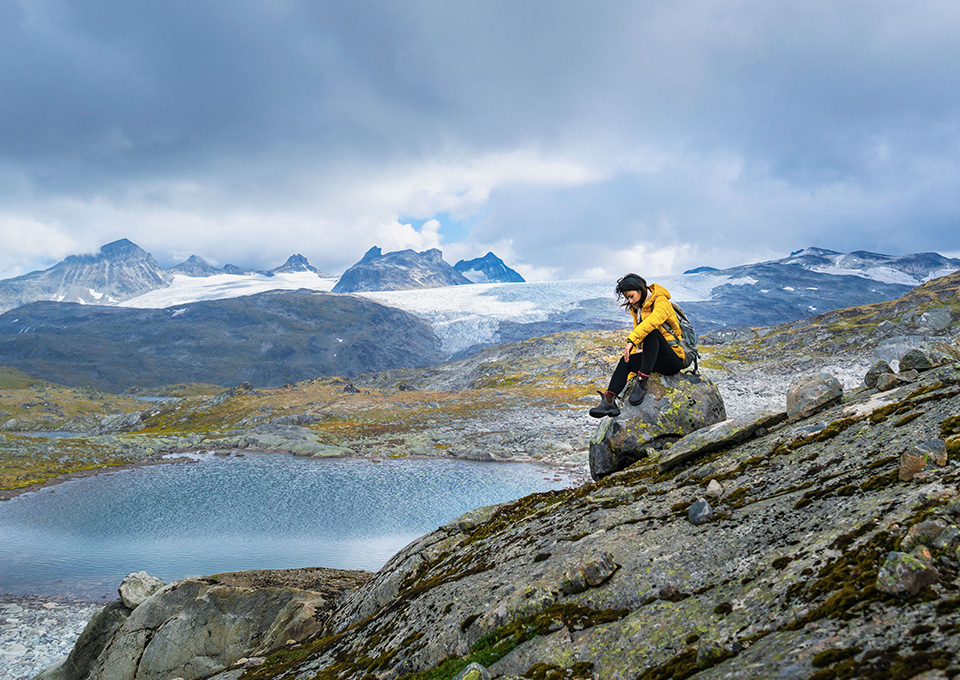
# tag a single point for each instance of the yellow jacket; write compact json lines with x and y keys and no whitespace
{"x":657,"y":312}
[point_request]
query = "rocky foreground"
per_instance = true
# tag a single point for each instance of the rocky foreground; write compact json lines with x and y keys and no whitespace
{"x":820,"y":544}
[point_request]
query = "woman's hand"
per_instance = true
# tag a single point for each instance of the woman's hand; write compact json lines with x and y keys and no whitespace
{"x":627,"y":350}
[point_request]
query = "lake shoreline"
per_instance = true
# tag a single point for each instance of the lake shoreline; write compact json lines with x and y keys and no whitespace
{"x":159,"y":459}
{"x":575,"y":474}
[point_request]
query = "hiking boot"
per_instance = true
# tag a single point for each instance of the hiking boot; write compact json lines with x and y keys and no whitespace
{"x":638,"y":392}
{"x":606,"y":407}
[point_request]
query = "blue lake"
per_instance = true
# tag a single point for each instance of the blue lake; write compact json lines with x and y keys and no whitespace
{"x":260,"y":511}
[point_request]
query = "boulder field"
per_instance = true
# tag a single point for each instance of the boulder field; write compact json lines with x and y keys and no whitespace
{"x":819,"y":541}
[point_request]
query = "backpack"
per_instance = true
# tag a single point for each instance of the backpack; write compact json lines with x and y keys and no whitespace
{"x":689,"y":342}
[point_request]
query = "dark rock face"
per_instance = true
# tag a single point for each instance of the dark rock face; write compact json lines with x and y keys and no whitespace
{"x":488,"y":269}
{"x":675,"y":406}
{"x":267,"y":340}
{"x":400,"y":270}
{"x":120,"y":271}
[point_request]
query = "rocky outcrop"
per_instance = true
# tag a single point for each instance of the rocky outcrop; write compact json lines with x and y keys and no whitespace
{"x":814,"y":545}
{"x":198,"y":627}
{"x":675,"y":406}
{"x":137,"y":587}
{"x":719,"y":436}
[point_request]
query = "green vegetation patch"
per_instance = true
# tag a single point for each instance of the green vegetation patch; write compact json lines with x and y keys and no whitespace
{"x":510,"y":514}
{"x":494,"y":646}
{"x":15,"y":379}
{"x":887,"y":664}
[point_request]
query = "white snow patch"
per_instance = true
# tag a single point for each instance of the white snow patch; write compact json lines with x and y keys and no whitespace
{"x":790,"y":288}
{"x":184,"y":289}
{"x":940,"y":272}
{"x":881,"y":274}
{"x":743,"y":281}
{"x":178,"y":312}
{"x":476,"y":276}
{"x":94,"y":294}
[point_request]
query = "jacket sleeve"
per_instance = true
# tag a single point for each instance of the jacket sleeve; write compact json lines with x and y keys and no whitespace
{"x":657,"y":317}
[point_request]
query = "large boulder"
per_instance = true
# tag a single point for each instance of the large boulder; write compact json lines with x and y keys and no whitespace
{"x":675,"y":406}
{"x":137,"y":587}
{"x":811,"y":394}
{"x":192,"y":629}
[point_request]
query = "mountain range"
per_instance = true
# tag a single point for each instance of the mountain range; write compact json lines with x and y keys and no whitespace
{"x":122,"y":271}
{"x":135,"y":326}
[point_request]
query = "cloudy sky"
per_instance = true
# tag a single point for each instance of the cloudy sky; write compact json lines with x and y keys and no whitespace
{"x":574,"y":139}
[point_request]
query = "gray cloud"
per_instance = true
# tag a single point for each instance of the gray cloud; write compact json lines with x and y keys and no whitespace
{"x":565,"y":132}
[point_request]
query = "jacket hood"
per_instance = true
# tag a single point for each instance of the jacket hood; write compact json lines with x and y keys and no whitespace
{"x":657,"y":291}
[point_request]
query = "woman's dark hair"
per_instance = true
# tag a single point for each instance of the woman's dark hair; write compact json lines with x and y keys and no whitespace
{"x":631,"y":282}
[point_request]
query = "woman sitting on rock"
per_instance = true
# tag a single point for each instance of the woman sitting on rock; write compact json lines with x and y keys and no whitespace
{"x":652,"y":346}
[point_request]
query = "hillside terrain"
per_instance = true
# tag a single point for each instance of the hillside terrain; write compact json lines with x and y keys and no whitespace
{"x":268,"y":339}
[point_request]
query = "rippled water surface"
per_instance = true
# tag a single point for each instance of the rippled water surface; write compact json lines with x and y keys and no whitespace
{"x":261,"y":511}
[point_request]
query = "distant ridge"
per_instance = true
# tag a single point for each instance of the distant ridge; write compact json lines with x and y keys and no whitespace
{"x":198,"y":267}
{"x":194,"y":266}
{"x":399,"y":270}
{"x":912,"y":269}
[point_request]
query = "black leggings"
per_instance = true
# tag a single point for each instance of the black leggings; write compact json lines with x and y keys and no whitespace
{"x":657,"y":356}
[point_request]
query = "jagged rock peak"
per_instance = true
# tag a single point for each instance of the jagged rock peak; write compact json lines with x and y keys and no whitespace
{"x":488,"y":269}
{"x":399,"y":270}
{"x":295,"y":263}
{"x":372,"y":254}
{"x":194,"y":266}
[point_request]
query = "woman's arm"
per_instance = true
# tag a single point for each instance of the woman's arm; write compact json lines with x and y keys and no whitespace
{"x":657,"y":317}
